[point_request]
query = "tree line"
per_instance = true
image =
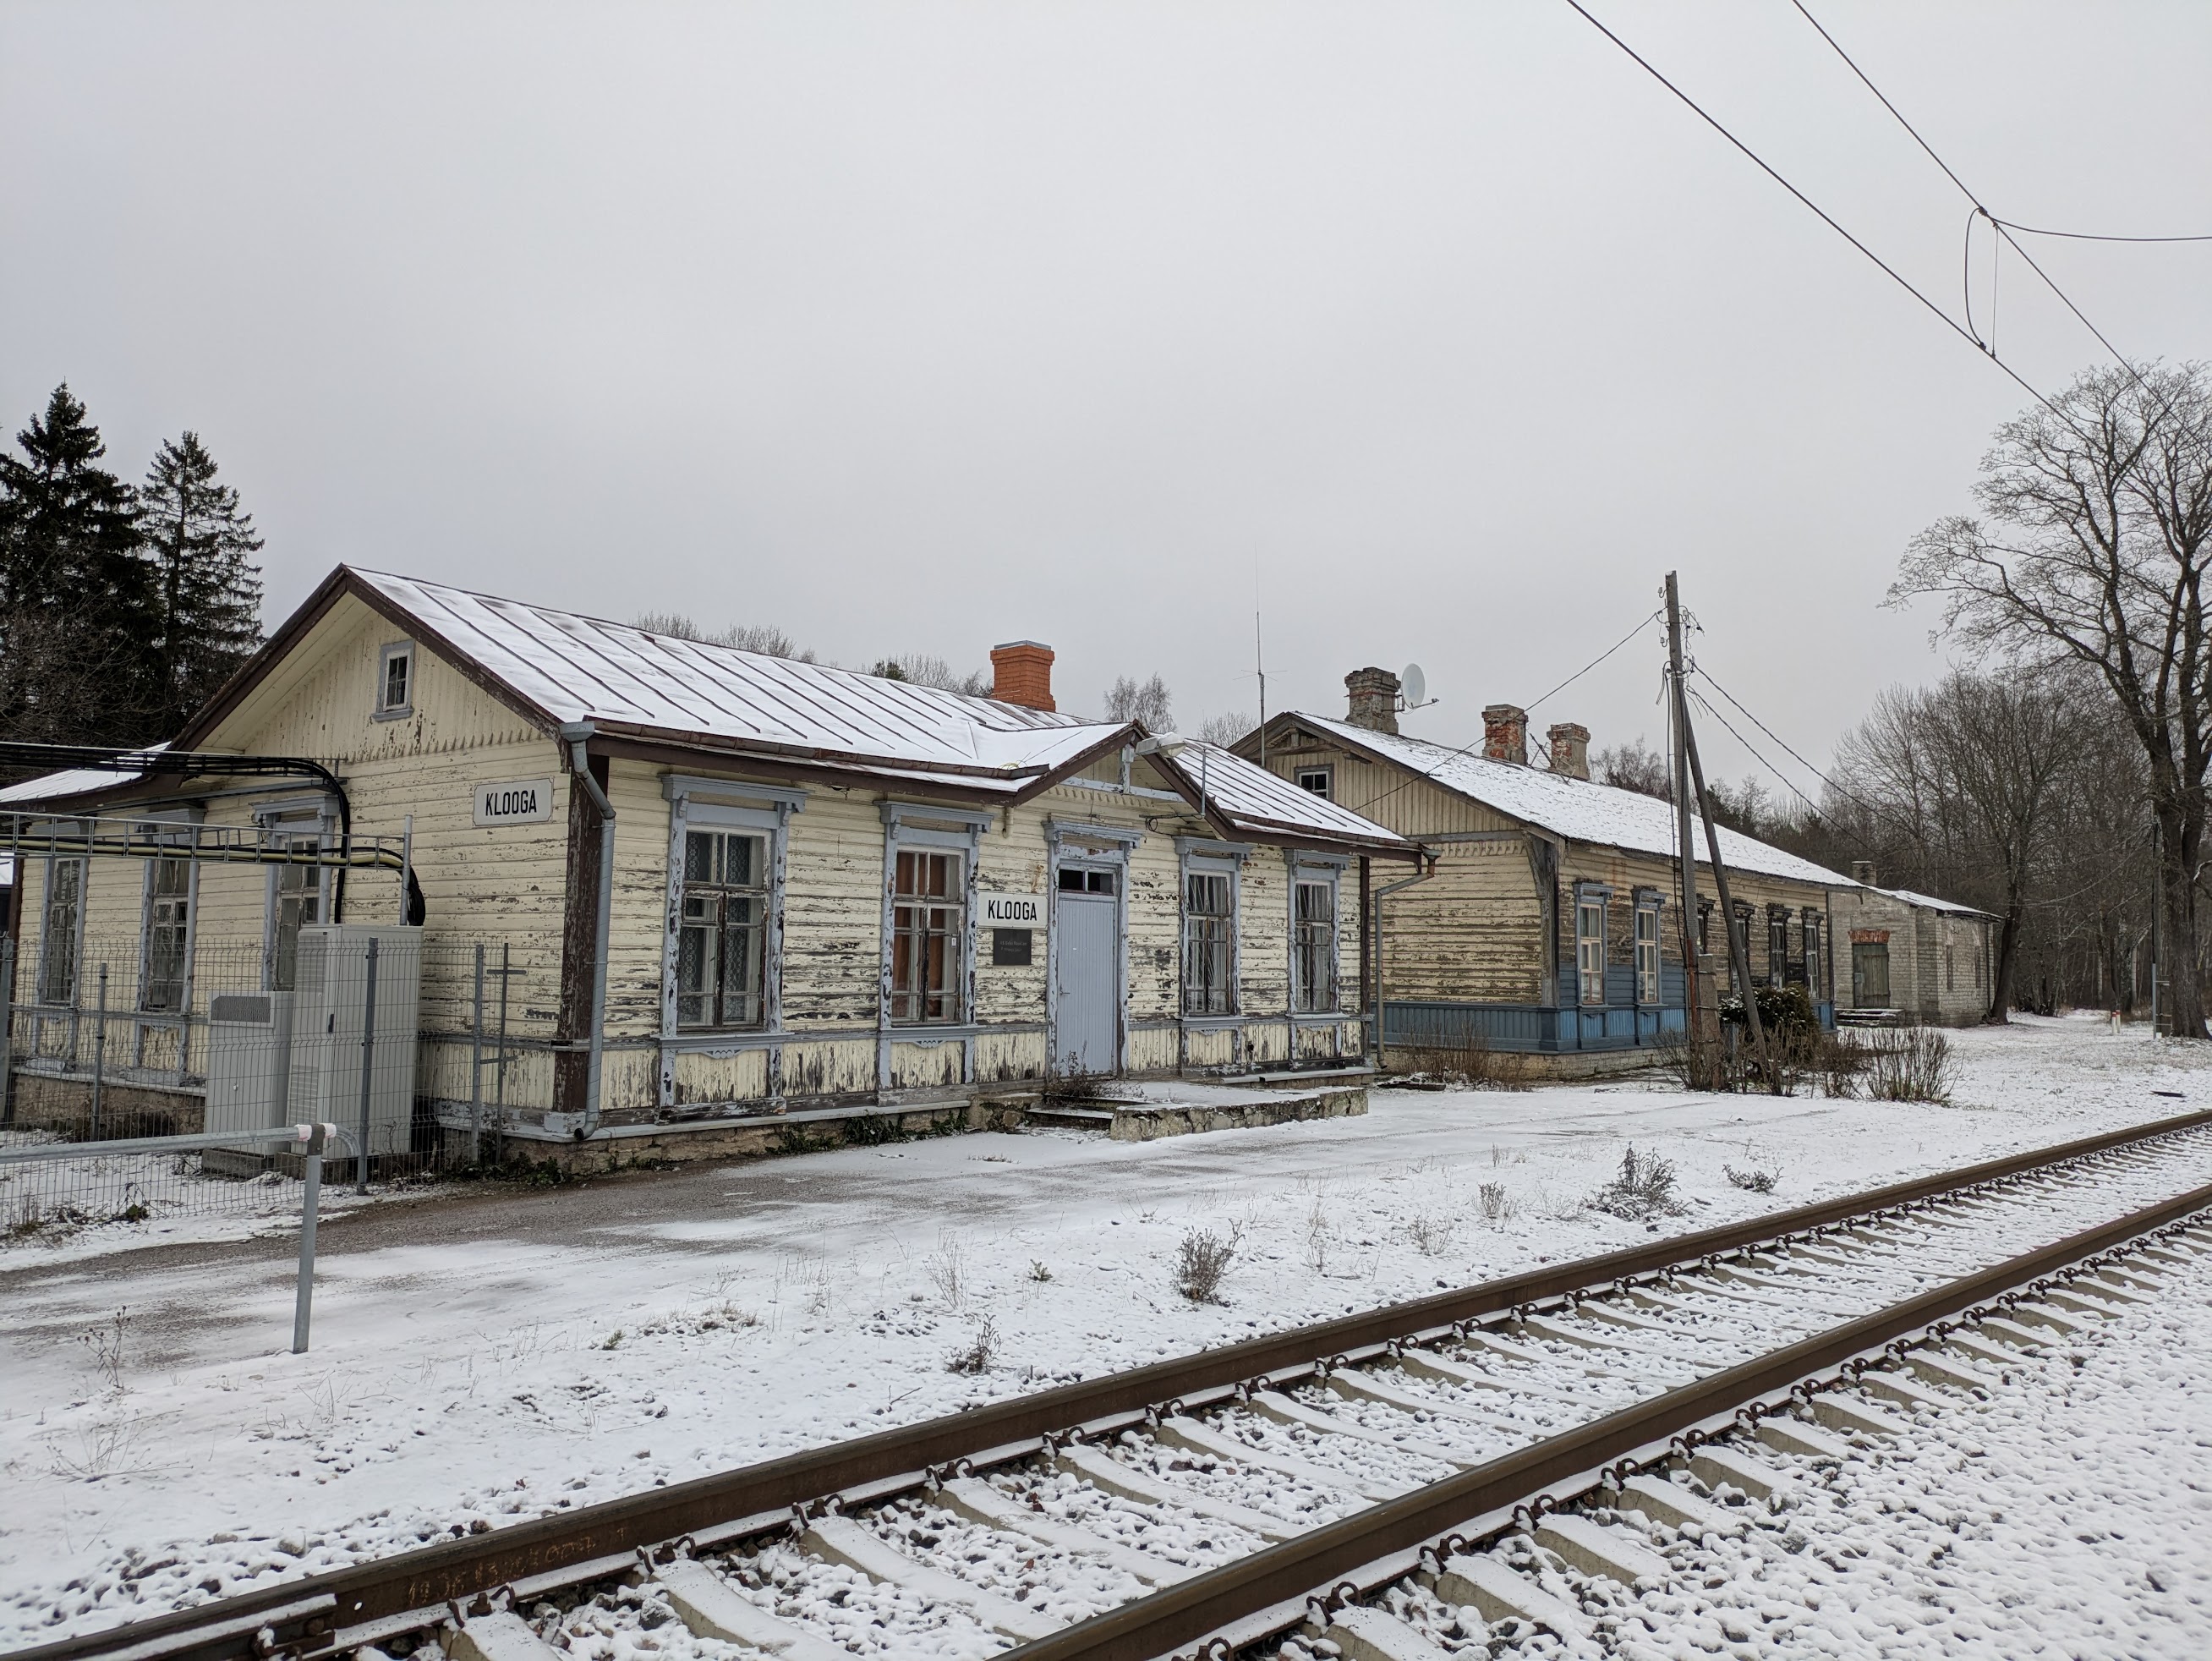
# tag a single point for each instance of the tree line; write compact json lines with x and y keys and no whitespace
{"x":122,"y":607}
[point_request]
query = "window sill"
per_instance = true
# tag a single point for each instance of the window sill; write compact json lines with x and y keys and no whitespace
{"x":393,"y":714}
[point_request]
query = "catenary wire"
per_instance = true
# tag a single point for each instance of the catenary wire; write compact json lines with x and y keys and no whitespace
{"x":1764,"y":166}
{"x":1980,"y":208}
{"x":2089,"y":236}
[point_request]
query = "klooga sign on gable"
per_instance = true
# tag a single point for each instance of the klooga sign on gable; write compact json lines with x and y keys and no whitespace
{"x":520,"y":801}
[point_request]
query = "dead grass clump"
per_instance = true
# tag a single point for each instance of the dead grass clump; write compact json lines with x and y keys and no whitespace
{"x":1497,"y":1205}
{"x":980,"y":1352}
{"x":1754,"y":1181}
{"x":1644,"y":1190}
{"x":1471,"y":1065}
{"x":1203,"y":1260}
{"x":1430,"y":1233}
{"x":1908,"y":1064}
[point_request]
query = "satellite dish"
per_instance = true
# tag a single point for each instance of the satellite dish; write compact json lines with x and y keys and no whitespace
{"x":1415,"y":685}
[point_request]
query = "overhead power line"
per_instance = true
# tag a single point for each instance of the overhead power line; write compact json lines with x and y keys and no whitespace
{"x":2090,"y":236}
{"x":1825,"y":217}
{"x":2002,"y":227}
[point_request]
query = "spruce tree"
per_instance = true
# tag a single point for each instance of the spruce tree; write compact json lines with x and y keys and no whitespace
{"x":207,"y":588}
{"x":77,"y":604}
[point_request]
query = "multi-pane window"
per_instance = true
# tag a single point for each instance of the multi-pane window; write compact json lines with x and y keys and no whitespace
{"x":1816,"y":978}
{"x":1208,"y":928}
{"x":298,"y":905}
{"x":1647,"y":954}
{"x":57,"y":938}
{"x":1778,"y":946}
{"x":1316,"y":778}
{"x":168,"y":902}
{"x":721,"y":930}
{"x":395,"y":680}
{"x":928,"y":923}
{"x":1313,"y":947}
{"x":1590,"y":949}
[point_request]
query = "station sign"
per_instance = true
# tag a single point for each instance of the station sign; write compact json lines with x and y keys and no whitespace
{"x":519,"y":801}
{"x":1013,"y":910}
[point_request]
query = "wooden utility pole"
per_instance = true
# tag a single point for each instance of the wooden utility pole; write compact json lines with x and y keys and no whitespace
{"x":1739,"y":951}
{"x":1685,"y":844}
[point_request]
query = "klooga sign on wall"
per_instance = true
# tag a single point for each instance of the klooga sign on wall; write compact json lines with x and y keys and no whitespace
{"x":520,"y":801}
{"x":1013,"y":910}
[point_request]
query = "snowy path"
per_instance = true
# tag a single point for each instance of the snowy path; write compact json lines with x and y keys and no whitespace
{"x":488,"y":1357}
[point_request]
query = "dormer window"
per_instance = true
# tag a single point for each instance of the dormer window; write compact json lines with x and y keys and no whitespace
{"x":395,"y":680}
{"x":1319,"y":780}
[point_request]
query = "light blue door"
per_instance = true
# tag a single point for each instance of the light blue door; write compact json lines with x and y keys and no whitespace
{"x":1086,"y":973}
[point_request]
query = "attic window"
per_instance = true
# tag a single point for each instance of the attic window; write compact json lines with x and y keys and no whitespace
{"x":1317,"y":780}
{"x":395,"y":680}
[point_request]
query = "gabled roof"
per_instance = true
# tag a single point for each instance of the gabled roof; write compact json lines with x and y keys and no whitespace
{"x":1249,"y":799}
{"x":1575,"y":809}
{"x":1929,"y":903}
{"x":56,"y":788}
{"x":717,"y":701}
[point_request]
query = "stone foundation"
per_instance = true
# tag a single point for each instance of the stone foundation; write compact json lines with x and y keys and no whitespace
{"x":44,"y":1101}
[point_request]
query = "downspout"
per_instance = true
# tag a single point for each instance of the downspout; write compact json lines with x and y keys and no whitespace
{"x":576,"y":735}
{"x":1430,"y":861}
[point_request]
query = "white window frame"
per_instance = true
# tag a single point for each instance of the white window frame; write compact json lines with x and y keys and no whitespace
{"x":1325,"y":771}
{"x":1309,"y":870}
{"x":285,"y":824}
{"x":916,"y":827}
{"x":1651,"y":981}
{"x":712,"y":804}
{"x":400,"y":651}
{"x":1209,"y":859}
{"x":1590,"y":949}
{"x":149,"y":922}
{"x":75,"y":931}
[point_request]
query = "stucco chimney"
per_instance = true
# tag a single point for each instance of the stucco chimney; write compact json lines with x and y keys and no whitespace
{"x":1571,"y":750}
{"x":1374,"y":699}
{"x":1863,"y":873}
{"x":1021,"y":672}
{"x":1505,"y":734}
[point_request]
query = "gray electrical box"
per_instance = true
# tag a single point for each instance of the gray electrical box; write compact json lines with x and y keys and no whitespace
{"x":330,"y":993}
{"x":249,"y":1060}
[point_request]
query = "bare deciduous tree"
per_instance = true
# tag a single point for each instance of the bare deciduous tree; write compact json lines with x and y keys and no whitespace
{"x":2092,"y":547}
{"x":1634,"y":766}
{"x":1227,"y":728}
{"x":1128,"y":699}
{"x":764,"y":638}
{"x":921,"y":669}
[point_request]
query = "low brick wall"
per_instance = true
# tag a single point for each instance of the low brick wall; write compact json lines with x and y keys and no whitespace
{"x":43,"y":1102}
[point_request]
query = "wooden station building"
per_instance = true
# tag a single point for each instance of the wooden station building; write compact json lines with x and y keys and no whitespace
{"x":826,"y":887}
{"x":1547,"y":922}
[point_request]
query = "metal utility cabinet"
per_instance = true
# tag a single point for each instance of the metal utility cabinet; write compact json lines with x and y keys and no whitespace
{"x":331,"y":1002}
{"x":249,"y":1060}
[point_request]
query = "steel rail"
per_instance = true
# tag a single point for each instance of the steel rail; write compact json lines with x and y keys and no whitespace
{"x":1191,"y":1610}
{"x":591,"y":1539}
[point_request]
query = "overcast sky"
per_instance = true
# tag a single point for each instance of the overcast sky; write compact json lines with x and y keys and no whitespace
{"x":1435,"y":332}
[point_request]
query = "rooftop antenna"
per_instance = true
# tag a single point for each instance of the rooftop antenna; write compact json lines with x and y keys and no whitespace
{"x":1259,"y":659}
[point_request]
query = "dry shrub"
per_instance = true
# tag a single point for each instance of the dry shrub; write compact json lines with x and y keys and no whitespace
{"x":1908,"y":1064}
{"x":977,"y":1357}
{"x":1497,"y":1205}
{"x":1644,"y":1190}
{"x":1203,"y":1260}
{"x":1471,"y":1065}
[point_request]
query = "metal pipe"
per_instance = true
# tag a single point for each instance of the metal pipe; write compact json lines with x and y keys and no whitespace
{"x":476,"y":1067}
{"x":1684,"y":839}
{"x":311,"y":1188}
{"x":577,"y":735}
{"x":368,"y":1065}
{"x":98,"y":1050}
{"x":7,"y":1031}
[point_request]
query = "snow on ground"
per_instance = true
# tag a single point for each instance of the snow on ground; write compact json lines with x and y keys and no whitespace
{"x":486,"y":1354}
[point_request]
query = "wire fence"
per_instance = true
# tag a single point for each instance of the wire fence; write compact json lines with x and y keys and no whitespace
{"x":423,"y":1050}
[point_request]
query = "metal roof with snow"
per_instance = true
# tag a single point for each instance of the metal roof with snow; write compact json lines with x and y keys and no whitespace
{"x":1576,"y":809}
{"x":1262,"y":803}
{"x":1929,"y":903}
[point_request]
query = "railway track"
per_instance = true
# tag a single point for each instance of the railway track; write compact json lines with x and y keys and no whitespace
{"x":1223,"y":1500}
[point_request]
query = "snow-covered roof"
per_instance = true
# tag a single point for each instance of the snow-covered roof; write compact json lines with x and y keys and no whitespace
{"x":625,"y":679}
{"x":1259,"y":802}
{"x":1929,"y":903}
{"x":72,"y":782}
{"x":1577,"y":809}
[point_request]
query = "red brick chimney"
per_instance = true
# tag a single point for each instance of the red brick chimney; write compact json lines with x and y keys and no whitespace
{"x":1571,"y":750}
{"x":1374,"y":700}
{"x":1021,"y":672}
{"x":1505,"y":734}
